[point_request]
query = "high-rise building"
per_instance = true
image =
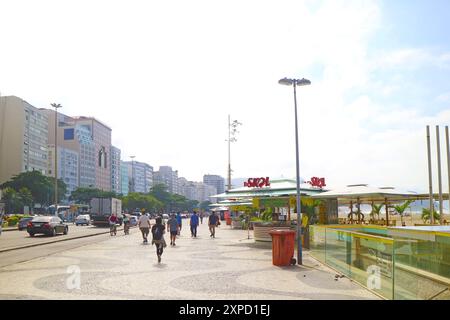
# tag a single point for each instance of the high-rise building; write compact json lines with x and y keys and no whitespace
{"x":77,"y":138}
{"x":196,"y":190}
{"x":67,"y":167}
{"x":116,"y":183}
{"x":101,"y":135}
{"x":167,"y":176}
{"x":140,"y":176}
{"x":23,"y":138}
{"x":215,"y":181}
{"x":204,"y":192}
{"x":124,"y":181}
{"x":91,"y":139}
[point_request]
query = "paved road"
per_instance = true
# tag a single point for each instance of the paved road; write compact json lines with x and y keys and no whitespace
{"x":227,"y":267}
{"x":15,"y":239}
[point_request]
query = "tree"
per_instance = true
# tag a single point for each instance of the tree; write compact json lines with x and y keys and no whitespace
{"x":159,"y":191}
{"x":401,"y":209}
{"x":204,"y":205}
{"x":426,"y":215}
{"x":141,"y":201}
{"x":376,"y":210}
{"x":40,"y":186}
{"x":84,"y":195}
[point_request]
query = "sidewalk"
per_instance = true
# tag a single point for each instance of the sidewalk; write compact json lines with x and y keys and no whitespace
{"x":228,"y":267}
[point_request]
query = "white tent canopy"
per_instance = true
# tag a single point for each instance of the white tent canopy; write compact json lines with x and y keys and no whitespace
{"x":363,"y":192}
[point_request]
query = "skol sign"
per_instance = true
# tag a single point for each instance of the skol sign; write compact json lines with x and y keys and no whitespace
{"x":257,"y":182}
{"x":317,"y":182}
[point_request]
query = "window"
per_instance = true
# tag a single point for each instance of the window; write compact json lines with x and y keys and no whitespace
{"x":69,"y":134}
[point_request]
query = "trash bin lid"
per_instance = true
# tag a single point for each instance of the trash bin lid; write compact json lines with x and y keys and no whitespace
{"x":281,"y":231}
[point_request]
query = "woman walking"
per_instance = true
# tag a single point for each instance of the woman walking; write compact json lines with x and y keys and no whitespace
{"x":158,"y":231}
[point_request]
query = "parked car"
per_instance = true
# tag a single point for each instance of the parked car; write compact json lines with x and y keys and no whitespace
{"x":48,"y":225}
{"x":22,"y":225}
{"x":83,"y":219}
{"x":133,"y":221}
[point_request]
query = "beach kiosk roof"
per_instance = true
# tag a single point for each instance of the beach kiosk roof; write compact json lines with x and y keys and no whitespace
{"x":277,"y":188}
{"x":363,"y":193}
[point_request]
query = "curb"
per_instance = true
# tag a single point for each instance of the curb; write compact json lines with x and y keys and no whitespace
{"x":50,"y":242}
{"x":10,"y":229}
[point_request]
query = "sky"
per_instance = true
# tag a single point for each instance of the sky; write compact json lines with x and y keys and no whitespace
{"x":165,"y":75}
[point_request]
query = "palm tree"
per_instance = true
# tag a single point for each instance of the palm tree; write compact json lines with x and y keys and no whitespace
{"x":401,"y":209}
{"x":376,"y":210}
{"x":427,"y":216}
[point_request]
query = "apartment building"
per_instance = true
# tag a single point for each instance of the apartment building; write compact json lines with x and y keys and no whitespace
{"x":23,"y":138}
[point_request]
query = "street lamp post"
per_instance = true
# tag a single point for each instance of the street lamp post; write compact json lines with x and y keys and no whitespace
{"x":232,"y":131}
{"x":295,"y":83}
{"x":56,"y":106}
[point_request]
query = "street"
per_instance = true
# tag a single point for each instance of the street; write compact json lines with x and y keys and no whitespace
{"x":13,"y":239}
{"x":121,"y":267}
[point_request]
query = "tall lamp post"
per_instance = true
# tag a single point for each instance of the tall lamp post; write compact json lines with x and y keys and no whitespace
{"x":56,"y":106}
{"x":132,"y":173}
{"x":295,"y":83}
{"x":232,"y":131}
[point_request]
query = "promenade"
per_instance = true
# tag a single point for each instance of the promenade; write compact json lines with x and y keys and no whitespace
{"x":227,"y":267}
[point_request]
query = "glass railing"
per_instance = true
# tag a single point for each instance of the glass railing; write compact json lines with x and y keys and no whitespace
{"x":415,"y":267}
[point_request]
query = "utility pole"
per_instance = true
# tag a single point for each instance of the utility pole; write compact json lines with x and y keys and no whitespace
{"x":56,"y":106}
{"x":232,"y":131}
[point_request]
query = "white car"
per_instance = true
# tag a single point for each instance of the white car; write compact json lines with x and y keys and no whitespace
{"x":84,"y":219}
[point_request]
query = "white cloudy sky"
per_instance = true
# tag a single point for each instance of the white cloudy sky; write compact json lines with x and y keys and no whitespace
{"x":166,"y":74}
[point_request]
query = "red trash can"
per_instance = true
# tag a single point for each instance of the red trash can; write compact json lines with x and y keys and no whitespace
{"x":283,"y":243}
{"x":228,"y":219}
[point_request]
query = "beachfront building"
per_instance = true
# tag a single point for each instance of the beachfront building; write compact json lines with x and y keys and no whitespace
{"x":140,"y":176}
{"x":116,"y":182}
{"x":68,"y":165}
{"x":23,"y":138}
{"x":124,"y":181}
{"x":168,"y":177}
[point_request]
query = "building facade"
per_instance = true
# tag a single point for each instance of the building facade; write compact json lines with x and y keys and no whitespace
{"x":169,"y":177}
{"x":92,"y":140}
{"x":215,"y":181}
{"x":68,"y":166}
{"x":140,"y":176}
{"x":116,"y":182}
{"x":23,"y":138}
{"x":124,"y":178}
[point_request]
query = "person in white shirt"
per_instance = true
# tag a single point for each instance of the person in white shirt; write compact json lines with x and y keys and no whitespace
{"x":144,"y":225}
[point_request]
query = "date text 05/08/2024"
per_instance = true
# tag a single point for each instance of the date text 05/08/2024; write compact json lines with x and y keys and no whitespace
{"x":227,"y":309}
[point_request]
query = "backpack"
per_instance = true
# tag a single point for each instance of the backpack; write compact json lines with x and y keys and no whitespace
{"x":157,"y":233}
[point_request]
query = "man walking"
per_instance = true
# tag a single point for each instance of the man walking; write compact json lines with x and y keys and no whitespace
{"x":201,"y":217}
{"x":194,"y":224}
{"x":179,"y":220}
{"x":212,"y":223}
{"x":172,"y":227}
{"x":144,"y":225}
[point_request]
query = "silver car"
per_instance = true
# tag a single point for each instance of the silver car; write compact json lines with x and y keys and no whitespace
{"x":83,"y":219}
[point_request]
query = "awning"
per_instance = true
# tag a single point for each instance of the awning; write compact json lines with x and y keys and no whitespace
{"x":277,"y":188}
{"x":362,"y":193}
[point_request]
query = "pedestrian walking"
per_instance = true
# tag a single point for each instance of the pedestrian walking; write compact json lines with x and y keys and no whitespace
{"x":213,"y":221}
{"x":144,"y":226}
{"x":172,"y":227}
{"x":179,"y":220}
{"x":201,"y":217}
{"x":194,"y":224}
{"x":158,"y":231}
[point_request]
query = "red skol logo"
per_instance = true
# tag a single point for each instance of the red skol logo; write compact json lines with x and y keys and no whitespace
{"x":317,"y":182}
{"x":257,"y":182}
